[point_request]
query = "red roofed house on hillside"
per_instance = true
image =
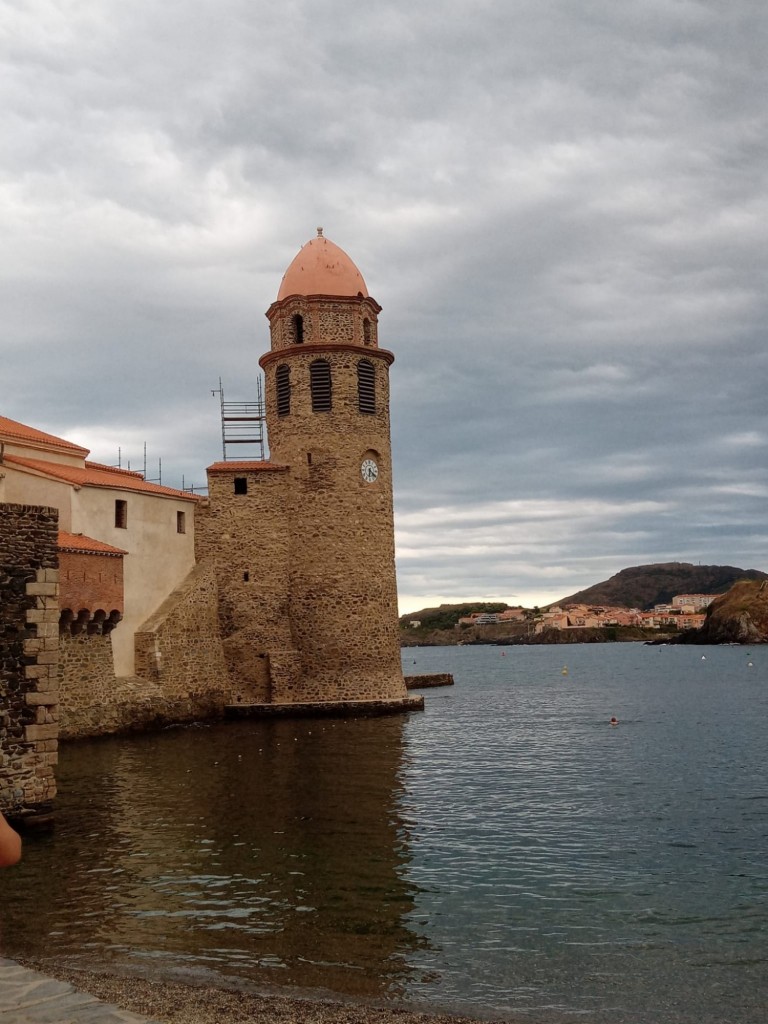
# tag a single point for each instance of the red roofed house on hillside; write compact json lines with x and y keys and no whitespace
{"x":124,"y":544}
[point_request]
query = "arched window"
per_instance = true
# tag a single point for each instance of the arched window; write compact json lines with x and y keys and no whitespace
{"x":366,"y":386}
{"x":320,"y":385}
{"x":283,"y":384}
{"x":298,"y":329}
{"x":366,"y":331}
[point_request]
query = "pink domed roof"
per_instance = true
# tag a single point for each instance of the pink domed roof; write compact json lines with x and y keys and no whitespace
{"x":321,"y":268}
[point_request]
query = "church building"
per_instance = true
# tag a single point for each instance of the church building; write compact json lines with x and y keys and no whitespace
{"x":275,"y":593}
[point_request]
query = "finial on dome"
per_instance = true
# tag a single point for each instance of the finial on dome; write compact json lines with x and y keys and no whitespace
{"x":319,"y":232}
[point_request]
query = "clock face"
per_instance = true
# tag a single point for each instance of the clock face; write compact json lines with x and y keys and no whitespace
{"x":369,"y":471}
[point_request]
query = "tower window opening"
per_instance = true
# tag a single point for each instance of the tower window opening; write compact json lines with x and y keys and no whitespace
{"x":283,"y":384}
{"x":298,"y":329}
{"x":366,"y":331}
{"x":366,"y":386}
{"x":121,"y":514}
{"x":309,"y":458}
{"x":181,"y":525}
{"x":320,"y":385}
{"x":241,"y":485}
{"x":246,"y":576}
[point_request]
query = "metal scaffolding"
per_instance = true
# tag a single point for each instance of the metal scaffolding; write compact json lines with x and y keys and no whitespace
{"x":242,"y":424}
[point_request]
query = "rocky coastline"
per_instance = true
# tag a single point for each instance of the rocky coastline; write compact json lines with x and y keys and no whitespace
{"x":739,"y":616}
{"x":495,"y":637}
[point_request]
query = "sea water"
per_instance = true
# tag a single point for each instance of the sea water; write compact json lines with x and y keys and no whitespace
{"x":506,"y":853}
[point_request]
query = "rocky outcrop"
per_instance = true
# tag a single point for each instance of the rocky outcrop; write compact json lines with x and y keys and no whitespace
{"x":740,"y":616}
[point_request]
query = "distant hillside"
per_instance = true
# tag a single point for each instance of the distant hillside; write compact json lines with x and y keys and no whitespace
{"x":447,"y":615}
{"x":643,"y":586}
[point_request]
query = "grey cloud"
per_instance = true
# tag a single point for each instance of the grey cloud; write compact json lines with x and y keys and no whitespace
{"x":562,"y":210}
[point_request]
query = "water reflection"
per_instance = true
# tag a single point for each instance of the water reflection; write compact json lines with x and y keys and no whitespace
{"x":275,"y":851}
{"x":558,"y":866}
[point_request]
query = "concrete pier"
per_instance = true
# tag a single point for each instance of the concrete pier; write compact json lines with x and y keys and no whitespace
{"x":28,"y":997}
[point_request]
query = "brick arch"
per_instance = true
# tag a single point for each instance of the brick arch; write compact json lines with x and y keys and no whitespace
{"x":87,"y":623}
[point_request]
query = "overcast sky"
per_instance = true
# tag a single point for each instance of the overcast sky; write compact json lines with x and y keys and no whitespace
{"x":561,"y":206}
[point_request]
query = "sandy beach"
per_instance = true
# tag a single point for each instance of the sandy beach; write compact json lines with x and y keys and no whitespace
{"x":177,"y":1003}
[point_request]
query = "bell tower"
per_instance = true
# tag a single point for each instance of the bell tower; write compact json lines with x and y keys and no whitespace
{"x":327,"y":412}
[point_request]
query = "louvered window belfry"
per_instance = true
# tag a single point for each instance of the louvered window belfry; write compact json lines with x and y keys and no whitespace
{"x":320,"y":385}
{"x":366,"y":386}
{"x":283,"y":383}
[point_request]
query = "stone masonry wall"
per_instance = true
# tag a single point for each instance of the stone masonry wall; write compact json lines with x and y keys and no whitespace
{"x":339,"y":320}
{"x":28,"y":658}
{"x":87,"y":681}
{"x":179,"y":647}
{"x":181,"y":677}
{"x":342,"y":585}
{"x":246,"y":538}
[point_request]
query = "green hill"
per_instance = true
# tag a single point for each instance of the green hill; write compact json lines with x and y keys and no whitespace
{"x":447,"y":615}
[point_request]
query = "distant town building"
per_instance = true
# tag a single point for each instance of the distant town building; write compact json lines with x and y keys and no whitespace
{"x":693,"y":601}
{"x":491,"y":618}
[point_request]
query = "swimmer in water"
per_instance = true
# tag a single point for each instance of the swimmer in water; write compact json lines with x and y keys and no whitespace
{"x":614,"y":720}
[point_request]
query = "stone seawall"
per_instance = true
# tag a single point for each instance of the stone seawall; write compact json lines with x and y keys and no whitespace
{"x":327,"y":709}
{"x":29,"y":696}
{"x":182,"y":675}
{"x":137,"y":705}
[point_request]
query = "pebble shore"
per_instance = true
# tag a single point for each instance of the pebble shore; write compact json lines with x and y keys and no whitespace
{"x":171,"y":1002}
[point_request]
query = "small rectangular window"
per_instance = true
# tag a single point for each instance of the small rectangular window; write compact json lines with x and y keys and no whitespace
{"x":181,"y":526}
{"x":241,"y":485}
{"x":121,"y":514}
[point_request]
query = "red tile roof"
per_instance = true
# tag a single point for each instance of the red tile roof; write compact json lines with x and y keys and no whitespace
{"x":16,"y":431}
{"x":95,"y":475}
{"x":247,"y":467}
{"x":114,"y":469}
{"x":79,"y":542}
